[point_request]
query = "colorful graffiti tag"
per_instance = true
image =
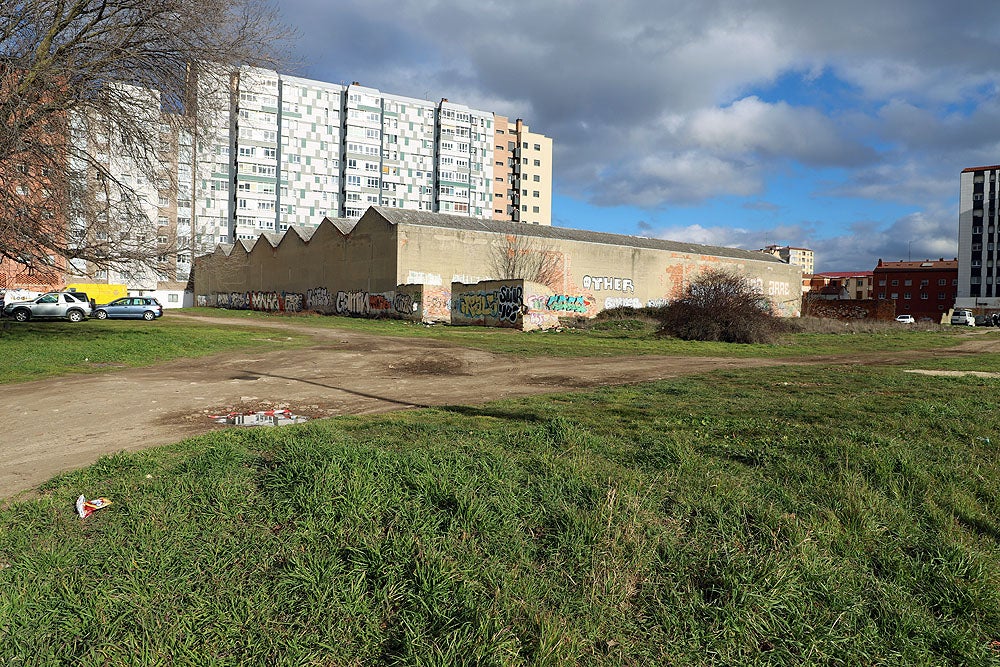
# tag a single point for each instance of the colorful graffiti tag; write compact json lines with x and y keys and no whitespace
{"x":504,"y":304}
{"x":568,"y":303}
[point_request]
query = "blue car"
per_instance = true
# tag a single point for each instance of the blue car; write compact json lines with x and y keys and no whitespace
{"x":130,"y":307}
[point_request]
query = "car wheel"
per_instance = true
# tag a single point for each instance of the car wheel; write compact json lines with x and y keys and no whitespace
{"x":22,"y":315}
{"x":75,"y":316}
{"x":101,"y":314}
{"x":148,"y":315}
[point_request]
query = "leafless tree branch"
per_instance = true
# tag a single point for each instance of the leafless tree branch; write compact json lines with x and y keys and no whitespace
{"x":89,"y":90}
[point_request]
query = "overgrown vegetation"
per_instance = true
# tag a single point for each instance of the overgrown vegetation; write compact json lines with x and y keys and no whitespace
{"x":720,"y":305}
{"x":751,"y":517}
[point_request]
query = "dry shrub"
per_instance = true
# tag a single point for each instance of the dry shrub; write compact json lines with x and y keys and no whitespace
{"x":722,"y":306}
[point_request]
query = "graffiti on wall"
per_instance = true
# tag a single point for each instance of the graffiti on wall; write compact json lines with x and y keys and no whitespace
{"x":357,"y":303}
{"x":620,"y":302}
{"x":608,"y":283}
{"x":657,"y":303}
{"x":567,"y":303}
{"x":320,"y":300}
{"x":275,"y":302}
{"x":503,"y":304}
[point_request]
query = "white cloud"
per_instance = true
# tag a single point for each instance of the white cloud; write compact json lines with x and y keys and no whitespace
{"x":658,"y":105}
{"x":750,"y":126}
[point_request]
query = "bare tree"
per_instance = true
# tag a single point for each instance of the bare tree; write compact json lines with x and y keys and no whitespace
{"x":89,"y":89}
{"x":516,"y":256}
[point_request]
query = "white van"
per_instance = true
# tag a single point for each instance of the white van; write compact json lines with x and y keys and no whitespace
{"x":963,"y":318}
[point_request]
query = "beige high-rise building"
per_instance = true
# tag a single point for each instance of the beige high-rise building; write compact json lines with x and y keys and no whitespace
{"x":522,"y":171}
{"x":799,"y":256}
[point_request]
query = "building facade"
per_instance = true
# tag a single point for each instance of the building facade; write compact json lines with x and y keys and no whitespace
{"x":278,"y":151}
{"x":924,"y":289}
{"x":799,"y":256}
{"x":855,"y":285}
{"x":978,"y":239}
{"x":522,"y":174}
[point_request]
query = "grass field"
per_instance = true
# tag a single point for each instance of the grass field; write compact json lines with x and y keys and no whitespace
{"x":618,"y":337}
{"x":36,"y":350}
{"x":845,"y":515}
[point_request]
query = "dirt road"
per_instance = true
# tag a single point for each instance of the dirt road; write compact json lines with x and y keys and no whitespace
{"x":69,"y":422}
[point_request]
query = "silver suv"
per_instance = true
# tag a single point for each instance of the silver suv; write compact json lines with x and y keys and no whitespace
{"x":60,"y":305}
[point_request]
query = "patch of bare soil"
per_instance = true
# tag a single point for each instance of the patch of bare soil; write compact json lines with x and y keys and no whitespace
{"x":66,"y":423}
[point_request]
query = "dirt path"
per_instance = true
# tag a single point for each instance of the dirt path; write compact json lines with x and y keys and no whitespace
{"x":69,"y":422}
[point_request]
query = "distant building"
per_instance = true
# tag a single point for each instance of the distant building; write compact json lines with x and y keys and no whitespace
{"x":921,"y":288}
{"x":856,"y":284}
{"x":799,"y":256}
{"x":522,"y":174}
{"x":977,"y":239}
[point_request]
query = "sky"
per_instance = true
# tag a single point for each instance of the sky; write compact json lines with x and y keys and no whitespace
{"x":836,"y":126}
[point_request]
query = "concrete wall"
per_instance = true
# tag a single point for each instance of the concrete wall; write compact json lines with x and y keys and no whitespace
{"x":590,"y":277}
{"x":361,"y":271}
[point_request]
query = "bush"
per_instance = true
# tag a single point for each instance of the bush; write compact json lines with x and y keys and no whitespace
{"x":721,"y":306}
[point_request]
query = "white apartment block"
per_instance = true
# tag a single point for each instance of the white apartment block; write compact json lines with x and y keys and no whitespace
{"x":275,"y":151}
{"x":978,"y":239}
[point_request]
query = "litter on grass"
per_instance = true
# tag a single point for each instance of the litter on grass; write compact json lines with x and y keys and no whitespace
{"x":86,"y":507}
{"x":259,"y":418}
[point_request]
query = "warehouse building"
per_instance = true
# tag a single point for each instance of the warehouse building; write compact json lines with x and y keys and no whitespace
{"x":437,"y":267}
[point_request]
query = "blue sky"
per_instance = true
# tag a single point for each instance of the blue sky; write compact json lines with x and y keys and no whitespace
{"x":840,"y":127}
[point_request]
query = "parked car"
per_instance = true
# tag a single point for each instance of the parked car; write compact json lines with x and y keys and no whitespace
{"x":984,"y":321}
{"x":51,"y":305}
{"x":905,"y":319}
{"x":130,"y":307}
{"x":963,"y":318}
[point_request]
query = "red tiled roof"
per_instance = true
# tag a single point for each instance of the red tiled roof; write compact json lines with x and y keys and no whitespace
{"x":845,"y":274}
{"x":967,"y":169}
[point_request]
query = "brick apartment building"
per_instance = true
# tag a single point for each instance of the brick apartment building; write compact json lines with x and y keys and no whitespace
{"x":920,"y":288}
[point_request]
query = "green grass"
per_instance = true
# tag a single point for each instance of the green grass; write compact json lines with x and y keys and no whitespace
{"x":36,"y":350}
{"x":837,"y":516}
{"x":615,"y":338}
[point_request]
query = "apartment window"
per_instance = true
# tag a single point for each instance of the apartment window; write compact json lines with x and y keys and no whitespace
{"x":974,"y":280}
{"x":942,"y":282}
{"x":534,"y":193}
{"x":536,"y":178}
{"x":538,"y":163}
{"x":881,"y":283}
{"x":977,"y":246}
{"x":538,"y":147}
{"x":534,"y":209}
{"x":977,"y":230}
{"x":894,"y":295}
{"x":895,"y":282}
{"x":907,"y":283}
{"x":925,"y":283}
{"x":923,"y":295}
{"x":906,"y":295}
